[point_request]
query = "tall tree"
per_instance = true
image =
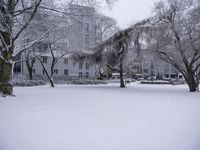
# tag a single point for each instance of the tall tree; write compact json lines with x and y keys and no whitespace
{"x":10,"y":13}
{"x":177,"y":37}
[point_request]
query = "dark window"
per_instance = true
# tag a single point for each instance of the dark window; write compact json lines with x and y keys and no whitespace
{"x":66,"y":72}
{"x":87,"y":39}
{"x":17,"y":68}
{"x":86,"y":27}
{"x":55,"y":71}
{"x":65,"y":61}
{"x":145,"y":70}
{"x":80,"y":65}
{"x":87,"y":66}
{"x":44,"y":59}
{"x":80,"y":26}
{"x":43,"y":72}
{"x":87,"y":74}
{"x":80,"y":74}
{"x":41,"y":47}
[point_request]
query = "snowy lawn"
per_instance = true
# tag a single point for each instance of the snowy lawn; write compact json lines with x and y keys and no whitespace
{"x":101,"y":117}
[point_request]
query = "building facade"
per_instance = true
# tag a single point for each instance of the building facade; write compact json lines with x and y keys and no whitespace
{"x":64,"y":69}
{"x":148,"y":66}
{"x":79,"y":35}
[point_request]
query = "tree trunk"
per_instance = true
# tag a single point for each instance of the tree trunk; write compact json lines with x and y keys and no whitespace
{"x":5,"y":77}
{"x":51,"y":82}
{"x":48,"y":76}
{"x":192,"y":82}
{"x":122,"y":84}
{"x":30,"y":70}
{"x":6,"y":48}
{"x":193,"y":85}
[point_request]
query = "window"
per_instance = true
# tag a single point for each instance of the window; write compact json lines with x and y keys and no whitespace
{"x":87,"y":74}
{"x":80,"y":74}
{"x":44,"y":59}
{"x":55,"y":71}
{"x":65,"y":61}
{"x":66,"y":72}
{"x":17,"y":68}
{"x":87,"y":39}
{"x":145,"y":70}
{"x":87,"y":27}
{"x":87,"y":66}
{"x":33,"y":71}
{"x":80,"y":65}
{"x":80,"y":25}
{"x":43,"y":72}
{"x":41,"y":47}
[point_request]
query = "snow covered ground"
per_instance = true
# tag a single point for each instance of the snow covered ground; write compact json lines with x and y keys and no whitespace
{"x":101,"y":117}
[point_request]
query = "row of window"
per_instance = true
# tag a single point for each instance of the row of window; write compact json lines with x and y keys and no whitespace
{"x":86,"y":65}
{"x":66,"y":73}
{"x":81,"y":75}
{"x":44,"y":60}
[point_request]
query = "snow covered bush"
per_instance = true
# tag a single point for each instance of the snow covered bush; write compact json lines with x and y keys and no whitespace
{"x":88,"y":82}
{"x":28,"y":82}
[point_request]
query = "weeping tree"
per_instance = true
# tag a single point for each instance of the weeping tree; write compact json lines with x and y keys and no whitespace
{"x":173,"y":33}
{"x":110,"y":53}
{"x":113,"y":51}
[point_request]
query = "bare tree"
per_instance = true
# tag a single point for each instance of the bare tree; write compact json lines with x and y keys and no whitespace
{"x":105,"y":26}
{"x":56,"y":57}
{"x":177,"y":37}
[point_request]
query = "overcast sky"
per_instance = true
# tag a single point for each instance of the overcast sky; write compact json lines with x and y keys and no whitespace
{"x":127,"y":12}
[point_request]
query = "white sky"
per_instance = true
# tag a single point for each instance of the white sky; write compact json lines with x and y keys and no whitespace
{"x":127,"y":12}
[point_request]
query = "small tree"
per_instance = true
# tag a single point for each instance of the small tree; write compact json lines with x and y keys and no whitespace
{"x":56,"y":56}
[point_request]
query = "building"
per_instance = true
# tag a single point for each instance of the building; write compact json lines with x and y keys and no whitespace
{"x":148,"y":65}
{"x":80,"y":35}
{"x":64,"y":69}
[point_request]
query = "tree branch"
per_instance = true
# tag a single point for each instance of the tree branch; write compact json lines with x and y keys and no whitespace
{"x":28,"y":22}
{"x":113,"y":69}
{"x":32,"y":43}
